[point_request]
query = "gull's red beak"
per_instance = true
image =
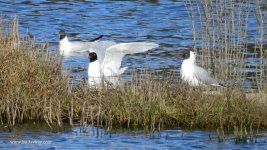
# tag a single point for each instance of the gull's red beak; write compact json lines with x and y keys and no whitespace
{"x":179,"y":56}
{"x":89,"y":56}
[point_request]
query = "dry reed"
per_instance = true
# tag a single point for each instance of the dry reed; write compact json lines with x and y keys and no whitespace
{"x":33,"y":89}
{"x":225,"y":39}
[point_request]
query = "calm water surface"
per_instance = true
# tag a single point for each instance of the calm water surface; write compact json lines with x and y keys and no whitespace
{"x":93,"y":138}
{"x":161,"y":21}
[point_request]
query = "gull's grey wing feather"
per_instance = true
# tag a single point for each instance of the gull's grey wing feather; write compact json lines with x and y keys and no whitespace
{"x":203,"y":76}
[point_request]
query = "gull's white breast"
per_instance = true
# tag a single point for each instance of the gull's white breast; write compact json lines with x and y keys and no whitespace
{"x":187,"y":73}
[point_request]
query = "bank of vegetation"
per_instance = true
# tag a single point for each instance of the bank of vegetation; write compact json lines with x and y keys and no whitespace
{"x":33,"y":88}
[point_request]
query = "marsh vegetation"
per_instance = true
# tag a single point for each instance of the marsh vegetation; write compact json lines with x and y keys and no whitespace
{"x":225,"y":41}
{"x":34,"y":88}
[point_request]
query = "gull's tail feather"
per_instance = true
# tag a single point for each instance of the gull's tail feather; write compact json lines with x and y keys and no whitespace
{"x":219,"y":85}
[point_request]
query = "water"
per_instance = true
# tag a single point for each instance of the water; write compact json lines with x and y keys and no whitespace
{"x":162,"y":21}
{"x":120,"y":21}
{"x":93,"y":138}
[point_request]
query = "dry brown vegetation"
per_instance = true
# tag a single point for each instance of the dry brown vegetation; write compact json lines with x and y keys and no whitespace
{"x":225,"y":39}
{"x":33,"y":89}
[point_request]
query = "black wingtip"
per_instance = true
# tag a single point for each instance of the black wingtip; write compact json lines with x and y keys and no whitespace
{"x":222,"y":85}
{"x":95,"y":39}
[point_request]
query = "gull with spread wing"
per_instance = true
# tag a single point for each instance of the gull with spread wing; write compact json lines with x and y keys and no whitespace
{"x":105,"y":65}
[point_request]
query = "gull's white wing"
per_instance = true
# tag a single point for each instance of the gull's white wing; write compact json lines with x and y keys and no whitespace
{"x":67,"y":48}
{"x":100,"y":47}
{"x":114,"y":54}
{"x":77,"y":46}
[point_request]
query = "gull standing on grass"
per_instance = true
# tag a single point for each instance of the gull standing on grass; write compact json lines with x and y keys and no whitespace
{"x":106,"y":68}
{"x":193,"y":74}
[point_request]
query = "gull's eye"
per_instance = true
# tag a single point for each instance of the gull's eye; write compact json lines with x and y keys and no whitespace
{"x":185,"y":56}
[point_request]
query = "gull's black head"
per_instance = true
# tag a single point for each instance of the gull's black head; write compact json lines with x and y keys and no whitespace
{"x":185,"y":54}
{"x":92,"y":56}
{"x":62,"y":34}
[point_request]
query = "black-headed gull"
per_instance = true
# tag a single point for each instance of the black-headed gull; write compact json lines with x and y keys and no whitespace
{"x":66,"y":47}
{"x":193,"y":74}
{"x":109,"y":69}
